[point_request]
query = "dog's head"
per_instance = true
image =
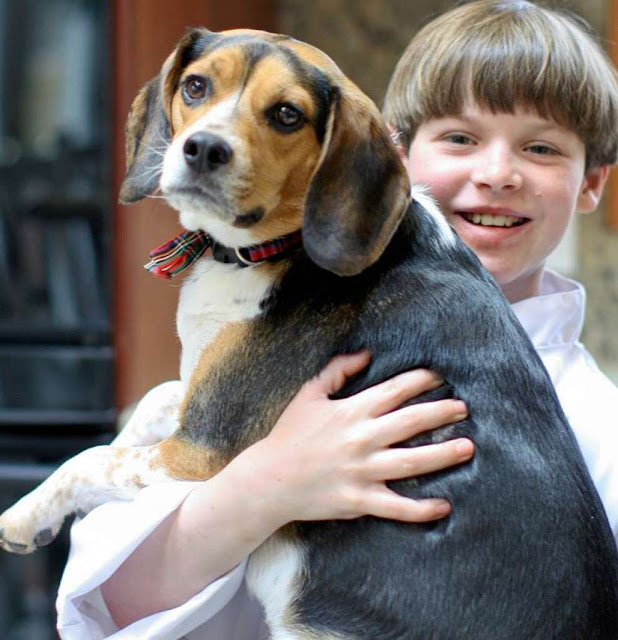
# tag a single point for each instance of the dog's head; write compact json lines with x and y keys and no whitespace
{"x":252,"y":135}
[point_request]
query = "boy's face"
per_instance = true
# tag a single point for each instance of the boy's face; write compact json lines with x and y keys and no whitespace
{"x":509,"y":184}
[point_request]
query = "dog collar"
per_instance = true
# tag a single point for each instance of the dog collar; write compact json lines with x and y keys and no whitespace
{"x":181,"y":252}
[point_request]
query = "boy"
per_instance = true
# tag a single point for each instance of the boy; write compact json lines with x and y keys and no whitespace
{"x":508,"y":113}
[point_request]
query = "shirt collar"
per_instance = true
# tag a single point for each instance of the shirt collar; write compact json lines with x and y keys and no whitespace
{"x":556,"y":316}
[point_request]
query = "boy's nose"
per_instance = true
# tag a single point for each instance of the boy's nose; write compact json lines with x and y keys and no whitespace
{"x":497,"y":171}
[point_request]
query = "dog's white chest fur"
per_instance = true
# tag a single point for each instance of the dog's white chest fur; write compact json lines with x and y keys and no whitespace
{"x":214,"y":295}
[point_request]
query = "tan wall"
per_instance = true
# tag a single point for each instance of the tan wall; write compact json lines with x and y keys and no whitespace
{"x":367,"y":38}
{"x":598,"y":250}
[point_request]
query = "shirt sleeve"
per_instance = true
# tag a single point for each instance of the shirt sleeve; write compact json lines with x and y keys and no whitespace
{"x":99,"y":545}
{"x":592,"y":409}
{"x":590,"y":401}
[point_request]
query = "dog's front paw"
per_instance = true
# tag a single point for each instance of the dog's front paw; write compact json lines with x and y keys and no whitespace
{"x":31,"y":523}
{"x":26,"y":526}
{"x":24,"y":533}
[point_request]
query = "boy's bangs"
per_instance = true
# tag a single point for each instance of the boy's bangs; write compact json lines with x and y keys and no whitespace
{"x":504,"y":56}
{"x":500,"y":79}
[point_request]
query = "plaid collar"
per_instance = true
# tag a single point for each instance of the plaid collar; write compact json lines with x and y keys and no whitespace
{"x":181,"y":252}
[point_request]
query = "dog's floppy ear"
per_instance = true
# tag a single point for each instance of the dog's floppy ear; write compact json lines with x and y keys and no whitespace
{"x":148,"y":129}
{"x":359,"y":191}
{"x":147,"y":135}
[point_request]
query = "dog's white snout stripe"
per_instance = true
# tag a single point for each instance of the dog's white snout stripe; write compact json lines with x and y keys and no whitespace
{"x":217,"y":122}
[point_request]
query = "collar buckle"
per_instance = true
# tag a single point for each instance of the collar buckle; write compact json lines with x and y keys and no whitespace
{"x":241,"y":259}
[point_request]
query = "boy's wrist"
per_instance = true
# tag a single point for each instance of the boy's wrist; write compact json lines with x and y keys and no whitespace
{"x":242,"y":496}
{"x":261,"y":493}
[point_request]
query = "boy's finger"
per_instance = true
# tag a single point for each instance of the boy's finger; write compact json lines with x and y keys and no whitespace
{"x":390,"y":505}
{"x":334,"y":375}
{"x":397,"y":464}
{"x":411,"y":421}
{"x":389,"y":395}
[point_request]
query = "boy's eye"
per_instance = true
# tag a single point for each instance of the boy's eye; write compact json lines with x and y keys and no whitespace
{"x":542,"y":149}
{"x":458,"y":138}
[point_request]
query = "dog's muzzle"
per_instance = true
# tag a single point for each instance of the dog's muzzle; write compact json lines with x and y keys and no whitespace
{"x":206,"y":152}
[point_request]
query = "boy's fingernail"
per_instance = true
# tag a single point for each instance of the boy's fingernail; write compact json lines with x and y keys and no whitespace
{"x":442,"y":508}
{"x":437,"y":381}
{"x":464,"y":448}
{"x":460,"y":409}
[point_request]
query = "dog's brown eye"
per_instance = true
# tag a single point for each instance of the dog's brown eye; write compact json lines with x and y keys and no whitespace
{"x":286,"y":117}
{"x":195,"y":88}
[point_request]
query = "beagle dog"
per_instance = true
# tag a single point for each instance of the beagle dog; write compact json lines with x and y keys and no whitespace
{"x":280,"y":164}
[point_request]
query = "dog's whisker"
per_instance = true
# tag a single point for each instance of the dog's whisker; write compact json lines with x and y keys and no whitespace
{"x":146,"y":174}
{"x":396,"y":137}
{"x":165,"y":141}
{"x":156,"y":151}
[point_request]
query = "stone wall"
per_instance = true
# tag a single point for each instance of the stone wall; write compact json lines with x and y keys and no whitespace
{"x":366,"y":39}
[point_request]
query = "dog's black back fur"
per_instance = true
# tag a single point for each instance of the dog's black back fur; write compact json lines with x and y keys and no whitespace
{"x":527,"y":551}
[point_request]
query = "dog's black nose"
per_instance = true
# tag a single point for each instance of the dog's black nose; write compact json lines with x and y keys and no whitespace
{"x":206,"y":151}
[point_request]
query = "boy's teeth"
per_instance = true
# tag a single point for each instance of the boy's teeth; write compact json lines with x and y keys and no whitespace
{"x":489,"y":220}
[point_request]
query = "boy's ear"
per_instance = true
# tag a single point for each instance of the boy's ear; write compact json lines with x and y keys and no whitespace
{"x":592,"y":189}
{"x":396,"y":138}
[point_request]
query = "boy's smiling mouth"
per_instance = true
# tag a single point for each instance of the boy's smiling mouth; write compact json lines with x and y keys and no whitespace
{"x":492,"y":217}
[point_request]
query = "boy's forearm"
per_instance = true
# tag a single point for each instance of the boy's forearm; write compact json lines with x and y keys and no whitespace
{"x":215,"y":528}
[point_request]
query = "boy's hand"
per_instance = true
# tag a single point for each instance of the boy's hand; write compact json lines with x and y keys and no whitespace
{"x":330,"y":459}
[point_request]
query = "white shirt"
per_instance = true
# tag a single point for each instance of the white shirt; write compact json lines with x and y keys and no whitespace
{"x":224,"y":610}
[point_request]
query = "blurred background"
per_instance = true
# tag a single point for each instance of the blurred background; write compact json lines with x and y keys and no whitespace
{"x":84,"y":331}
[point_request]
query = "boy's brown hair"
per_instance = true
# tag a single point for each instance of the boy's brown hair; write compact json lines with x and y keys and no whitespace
{"x":504,"y":54}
